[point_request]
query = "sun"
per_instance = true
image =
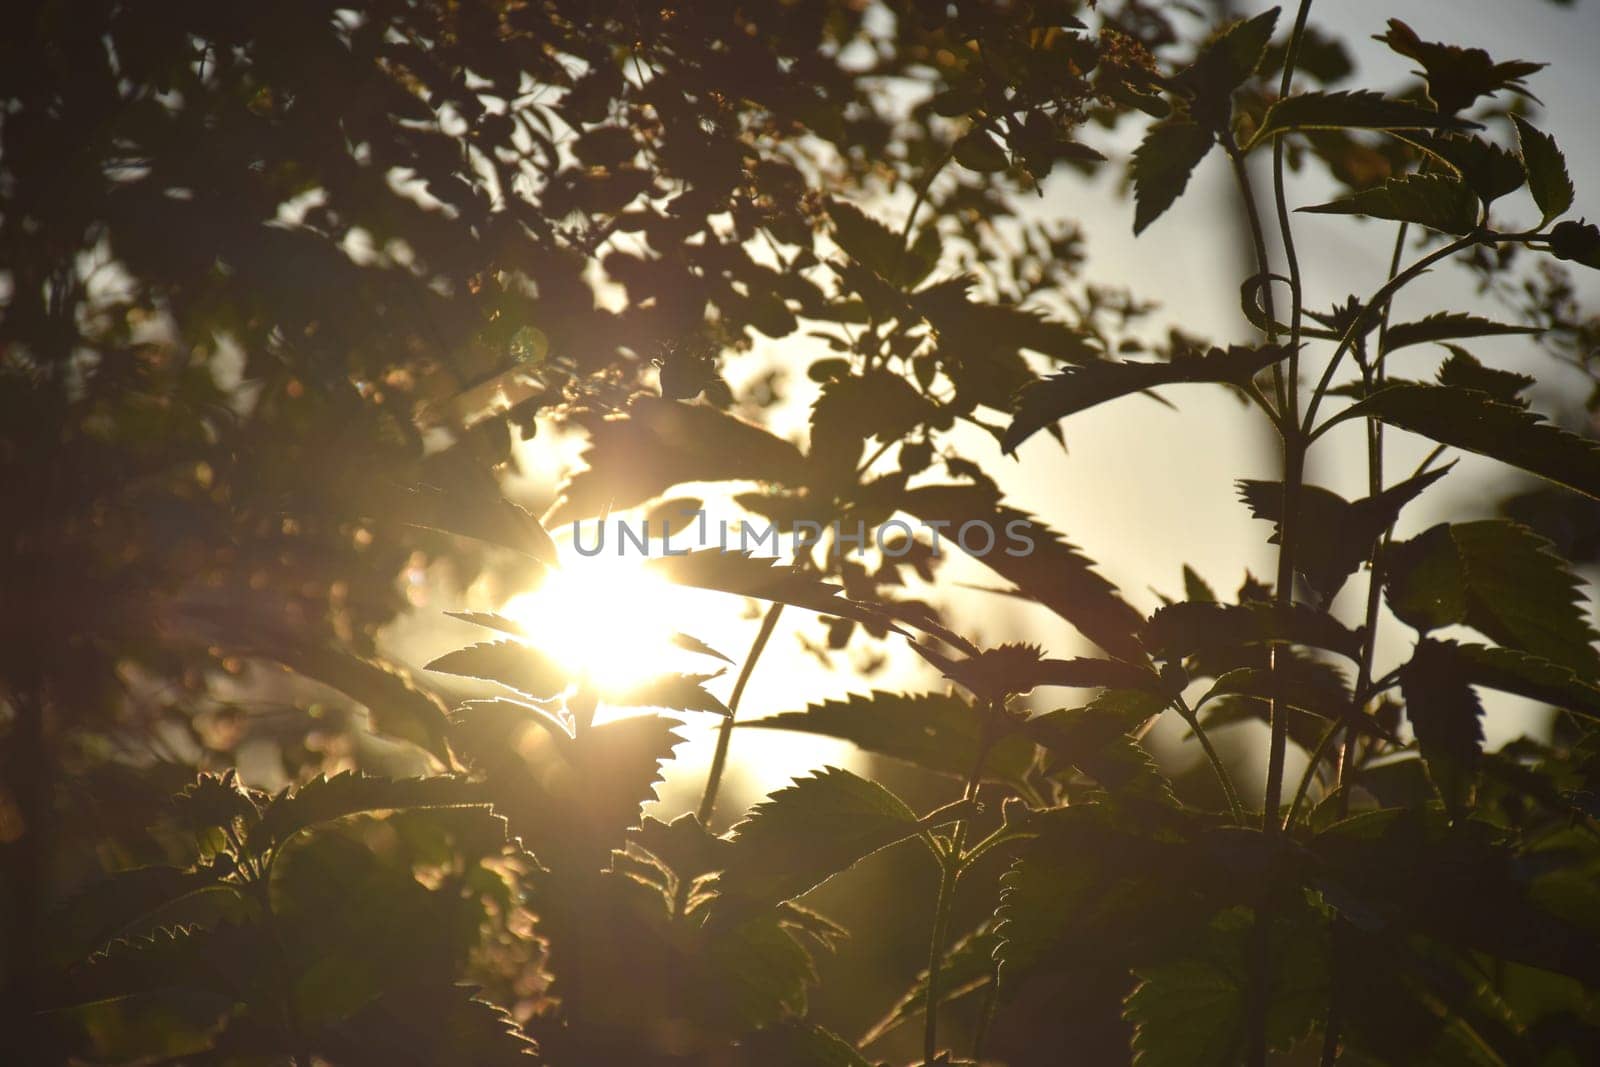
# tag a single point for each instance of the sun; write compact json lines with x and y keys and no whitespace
{"x":607,"y":618}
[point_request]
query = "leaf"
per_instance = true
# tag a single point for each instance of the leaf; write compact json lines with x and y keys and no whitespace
{"x":1224,"y":63}
{"x":1465,"y":372}
{"x":1525,"y":675}
{"x":470,"y":507}
{"x":662,"y":443}
{"x":806,"y":833}
{"x":1448,"y":720}
{"x":507,"y":710}
{"x":1097,"y":740}
{"x":743,"y":574}
{"x":1162,"y":164}
{"x":675,"y":692}
{"x":1333,"y":535}
{"x":1499,"y":578}
{"x":978,"y":151}
{"x":1448,"y":326}
{"x":222,"y":962}
{"x":996,"y":673}
{"x":1489,"y":170}
{"x":1547,"y":171}
{"x":1195,"y":1011}
{"x":1477,"y":422}
{"x":877,"y":247}
{"x":684,"y":846}
{"x":877,"y":405}
{"x":491,"y":621}
{"x":1359,"y":110}
{"x":798,"y":1044}
{"x":690,"y":643}
{"x":1076,"y":389}
{"x":509,"y":663}
{"x":1438,"y":201}
{"x":1050,"y":571}
{"x":349,"y":793}
{"x":1457,"y":76}
{"x":112,"y":907}
{"x":1208,"y":629}
{"x":968,"y":966}
{"x":936,"y":731}
{"x":215,"y":803}
{"x":421,"y":1025}
{"x":395,"y":706}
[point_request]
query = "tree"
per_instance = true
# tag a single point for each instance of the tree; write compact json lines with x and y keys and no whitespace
{"x":288,"y":286}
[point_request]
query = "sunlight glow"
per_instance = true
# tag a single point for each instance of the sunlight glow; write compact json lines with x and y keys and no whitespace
{"x":608,"y":617}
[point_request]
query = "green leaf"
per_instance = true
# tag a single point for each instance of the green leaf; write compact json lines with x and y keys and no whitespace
{"x":1499,"y":578}
{"x":1489,"y":170}
{"x":1525,"y":675}
{"x":1195,"y":1011}
{"x":349,"y":793}
{"x":1225,"y":62}
{"x":1162,"y":164}
{"x":663,"y":443}
{"x":1448,"y":326}
{"x":967,"y":967}
{"x":1333,"y":536}
{"x":509,"y":663}
{"x":1098,"y":740}
{"x":1360,"y":110}
{"x":1447,"y":719}
{"x":1478,"y":422}
{"x":1547,"y":171}
{"x":1076,"y":389}
{"x":215,"y":803}
{"x":806,"y":833}
{"x":936,"y":731}
{"x":1049,"y":570}
{"x":394,"y":705}
{"x":1437,"y":201}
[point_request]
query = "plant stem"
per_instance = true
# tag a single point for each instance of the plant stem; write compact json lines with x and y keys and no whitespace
{"x":950,"y":871}
{"x":1223,"y":777}
{"x":719,"y":760}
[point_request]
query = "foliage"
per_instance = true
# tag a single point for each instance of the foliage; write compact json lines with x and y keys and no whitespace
{"x":288,"y":289}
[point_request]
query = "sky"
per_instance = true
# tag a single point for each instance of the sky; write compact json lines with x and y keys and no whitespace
{"x":1138,"y":490}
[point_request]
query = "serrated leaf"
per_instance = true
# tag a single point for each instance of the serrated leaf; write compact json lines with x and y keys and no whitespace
{"x":1195,"y":1011}
{"x":1499,"y":578}
{"x":225,"y":962}
{"x":1465,"y":372}
{"x":1525,"y":675}
{"x":690,"y":643}
{"x":993,"y":674}
{"x":1489,"y":170}
{"x":478,"y":713}
{"x":1457,"y":76}
{"x":684,"y":846}
{"x":876,"y":405}
{"x":1438,"y":201}
{"x":1052,"y":571}
{"x":806,"y":833}
{"x":394,"y":705}
{"x":968,"y":966}
{"x":1448,"y":326}
{"x":1359,"y":110}
{"x":743,"y":574}
{"x":978,"y":151}
{"x":1097,"y":740}
{"x":490,"y":620}
{"x":469,"y":507}
{"x":1224,"y":63}
{"x":508,"y":663}
{"x":1477,"y":422}
{"x":215,"y":802}
{"x":1208,"y":629}
{"x":1547,"y":170}
{"x":798,"y":1044}
{"x":349,"y":793}
{"x":936,"y":731}
{"x":426,"y":1024}
{"x":1162,"y":164}
{"x":1076,"y":389}
{"x":662,"y":443}
{"x":674,"y":692}
{"x":1334,"y":536}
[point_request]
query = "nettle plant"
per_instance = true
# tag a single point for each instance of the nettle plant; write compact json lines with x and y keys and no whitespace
{"x":1411,"y":898}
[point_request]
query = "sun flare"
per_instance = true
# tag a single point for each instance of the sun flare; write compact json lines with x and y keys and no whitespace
{"x":606,"y":617}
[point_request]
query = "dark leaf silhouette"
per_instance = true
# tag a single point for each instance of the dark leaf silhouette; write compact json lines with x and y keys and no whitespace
{"x":1162,"y":165}
{"x":1361,"y":109}
{"x":1078,"y":388}
{"x":1437,"y":201}
{"x":1547,"y":170}
{"x":1448,"y":326}
{"x":510,"y":663}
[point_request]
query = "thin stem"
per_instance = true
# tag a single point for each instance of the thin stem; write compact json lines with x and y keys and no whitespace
{"x":719,"y":761}
{"x":950,"y":871}
{"x":1286,"y":232}
{"x":1358,"y":327}
{"x":1223,"y":777}
{"x":1321,"y":749}
{"x":1258,"y":241}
